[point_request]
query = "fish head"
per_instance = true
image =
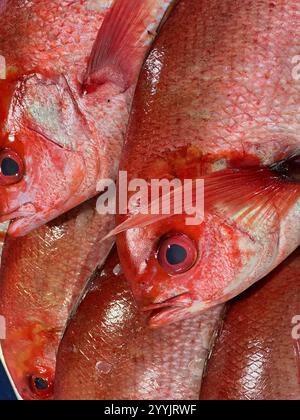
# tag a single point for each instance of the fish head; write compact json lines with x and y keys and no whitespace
{"x":48,"y":160}
{"x":28,"y":357}
{"x":176,"y":270}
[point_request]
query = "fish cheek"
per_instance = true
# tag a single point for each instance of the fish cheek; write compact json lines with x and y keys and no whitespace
{"x":53,"y":173}
{"x":229,"y":258}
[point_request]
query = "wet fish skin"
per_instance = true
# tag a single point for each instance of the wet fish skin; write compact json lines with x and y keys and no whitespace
{"x":257,"y":355}
{"x":109,"y":352}
{"x":42,"y":279}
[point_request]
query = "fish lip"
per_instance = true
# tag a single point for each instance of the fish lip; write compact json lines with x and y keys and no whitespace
{"x":25,"y":210}
{"x":183,"y":300}
{"x":171,"y":310}
{"x":168,"y":315}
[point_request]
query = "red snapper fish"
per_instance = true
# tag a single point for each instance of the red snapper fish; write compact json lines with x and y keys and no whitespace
{"x":110,"y":353}
{"x":66,"y":93}
{"x":43,"y":277}
{"x":218,"y":100}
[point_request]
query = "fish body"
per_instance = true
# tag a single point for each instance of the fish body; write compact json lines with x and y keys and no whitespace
{"x":68,"y":79}
{"x":218,"y":100}
{"x":110,"y":353}
{"x":42,"y":280}
{"x":256,"y":356}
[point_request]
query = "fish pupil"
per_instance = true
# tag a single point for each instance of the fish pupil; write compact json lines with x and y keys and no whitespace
{"x":41,"y":384}
{"x":9,"y":167}
{"x":176,"y":254}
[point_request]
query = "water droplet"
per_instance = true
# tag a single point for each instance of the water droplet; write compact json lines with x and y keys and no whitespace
{"x":117,"y":270}
{"x":103,"y":367}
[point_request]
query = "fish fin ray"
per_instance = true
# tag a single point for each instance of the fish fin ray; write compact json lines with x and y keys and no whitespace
{"x":247,"y":196}
{"x":116,"y":54}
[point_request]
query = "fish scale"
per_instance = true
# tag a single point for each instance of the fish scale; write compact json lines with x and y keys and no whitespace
{"x":42,"y":279}
{"x":256,"y":356}
{"x":45,"y":273}
{"x":109,"y":338}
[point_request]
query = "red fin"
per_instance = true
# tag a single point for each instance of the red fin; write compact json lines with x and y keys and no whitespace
{"x":246,"y":195}
{"x":249,"y":195}
{"x":121,"y":43}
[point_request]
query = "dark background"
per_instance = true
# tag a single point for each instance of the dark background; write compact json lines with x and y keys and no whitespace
{"x":6,"y":392}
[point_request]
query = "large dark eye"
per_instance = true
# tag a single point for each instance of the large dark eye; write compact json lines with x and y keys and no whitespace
{"x":11,"y":167}
{"x":41,"y":384}
{"x":177,"y":253}
{"x":289,"y":168}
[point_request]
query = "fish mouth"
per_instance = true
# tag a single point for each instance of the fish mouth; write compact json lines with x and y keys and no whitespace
{"x":22,"y":212}
{"x":169,"y":311}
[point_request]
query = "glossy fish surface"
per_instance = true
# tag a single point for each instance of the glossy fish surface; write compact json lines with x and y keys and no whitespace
{"x":257,"y":355}
{"x":42,"y":280}
{"x":109,"y":351}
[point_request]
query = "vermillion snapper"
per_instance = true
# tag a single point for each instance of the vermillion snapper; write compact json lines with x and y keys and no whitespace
{"x":65,"y":99}
{"x":218,"y":99}
{"x":43,"y":277}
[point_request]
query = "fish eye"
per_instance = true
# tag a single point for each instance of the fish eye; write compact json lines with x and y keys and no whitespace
{"x":41,"y":384}
{"x":11,"y":167}
{"x":177,"y":253}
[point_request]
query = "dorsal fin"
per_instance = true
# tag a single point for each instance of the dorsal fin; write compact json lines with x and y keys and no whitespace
{"x":123,"y":41}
